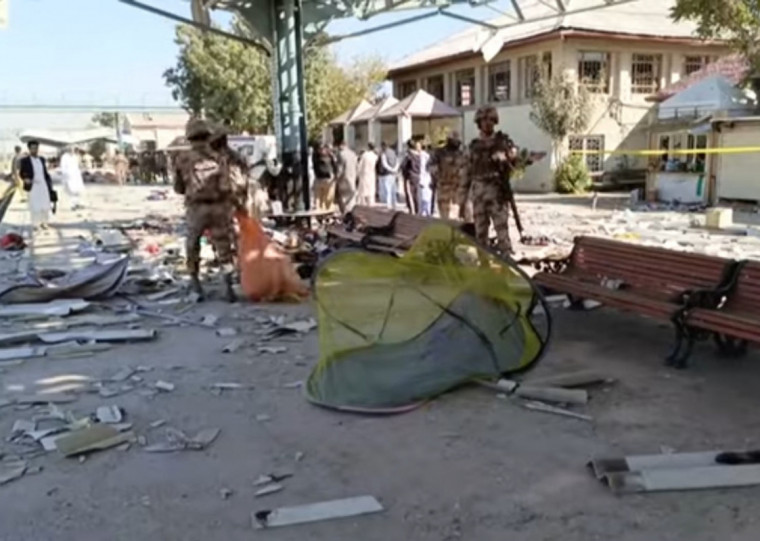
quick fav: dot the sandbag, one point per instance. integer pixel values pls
(266, 272)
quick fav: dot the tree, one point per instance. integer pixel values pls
(560, 107)
(229, 81)
(736, 21)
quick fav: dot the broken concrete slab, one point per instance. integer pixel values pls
(44, 398)
(226, 332)
(209, 320)
(233, 346)
(26, 352)
(301, 514)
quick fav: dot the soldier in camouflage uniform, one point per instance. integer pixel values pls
(202, 177)
(449, 166)
(491, 157)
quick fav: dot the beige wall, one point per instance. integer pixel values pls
(619, 116)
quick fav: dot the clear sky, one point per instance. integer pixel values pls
(103, 51)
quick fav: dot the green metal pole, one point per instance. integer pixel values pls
(289, 98)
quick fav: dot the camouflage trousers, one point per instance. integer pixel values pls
(446, 199)
(489, 204)
(216, 218)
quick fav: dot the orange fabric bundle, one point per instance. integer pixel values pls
(266, 273)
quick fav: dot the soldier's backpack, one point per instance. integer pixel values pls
(208, 180)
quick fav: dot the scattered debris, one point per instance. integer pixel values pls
(293, 385)
(299, 456)
(285, 516)
(546, 408)
(164, 386)
(179, 441)
(45, 398)
(570, 379)
(263, 418)
(549, 394)
(93, 438)
(233, 346)
(225, 493)
(12, 470)
(209, 320)
(271, 478)
(158, 423)
(273, 350)
(227, 386)
(271, 489)
(109, 414)
(676, 471)
(226, 332)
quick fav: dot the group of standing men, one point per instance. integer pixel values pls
(466, 183)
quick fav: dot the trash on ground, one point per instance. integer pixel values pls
(164, 386)
(263, 418)
(109, 414)
(271, 478)
(301, 514)
(549, 394)
(546, 408)
(58, 308)
(570, 379)
(179, 441)
(273, 350)
(271, 489)
(96, 281)
(226, 332)
(233, 346)
(95, 437)
(111, 335)
(677, 471)
(209, 320)
(12, 470)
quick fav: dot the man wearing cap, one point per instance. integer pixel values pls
(491, 158)
(449, 166)
(34, 174)
(200, 175)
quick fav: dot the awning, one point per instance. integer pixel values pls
(420, 104)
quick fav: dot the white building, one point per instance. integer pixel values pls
(622, 53)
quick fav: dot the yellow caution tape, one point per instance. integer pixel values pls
(680, 151)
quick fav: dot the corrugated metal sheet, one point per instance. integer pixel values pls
(641, 18)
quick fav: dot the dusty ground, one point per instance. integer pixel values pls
(467, 466)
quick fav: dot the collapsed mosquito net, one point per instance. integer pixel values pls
(394, 332)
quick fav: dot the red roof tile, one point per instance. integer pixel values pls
(733, 67)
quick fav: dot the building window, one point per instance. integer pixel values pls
(589, 143)
(546, 64)
(594, 71)
(464, 88)
(434, 86)
(530, 75)
(499, 81)
(405, 88)
(694, 63)
(646, 72)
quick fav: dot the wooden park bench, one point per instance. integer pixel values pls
(734, 317)
(650, 281)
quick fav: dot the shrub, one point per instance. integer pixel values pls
(572, 176)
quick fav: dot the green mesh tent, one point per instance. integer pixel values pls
(394, 332)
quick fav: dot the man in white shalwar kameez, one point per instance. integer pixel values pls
(33, 172)
(72, 177)
(367, 186)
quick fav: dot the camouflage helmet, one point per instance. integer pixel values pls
(197, 128)
(487, 111)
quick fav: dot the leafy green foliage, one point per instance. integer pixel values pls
(736, 21)
(560, 107)
(230, 81)
(572, 176)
